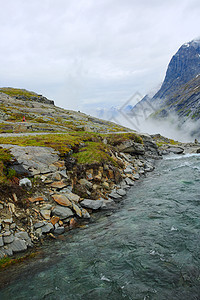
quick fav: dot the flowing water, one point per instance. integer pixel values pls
(149, 248)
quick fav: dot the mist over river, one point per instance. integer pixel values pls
(149, 248)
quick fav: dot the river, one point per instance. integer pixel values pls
(149, 248)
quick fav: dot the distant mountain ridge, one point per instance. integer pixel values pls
(179, 95)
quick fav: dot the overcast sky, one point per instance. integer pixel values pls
(87, 52)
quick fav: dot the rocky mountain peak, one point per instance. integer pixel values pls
(184, 66)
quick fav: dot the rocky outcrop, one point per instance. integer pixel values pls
(60, 196)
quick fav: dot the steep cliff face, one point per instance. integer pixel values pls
(179, 94)
(183, 67)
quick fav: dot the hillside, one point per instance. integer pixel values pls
(43, 116)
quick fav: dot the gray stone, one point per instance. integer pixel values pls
(1, 241)
(176, 150)
(108, 204)
(114, 195)
(59, 230)
(8, 237)
(8, 251)
(129, 181)
(18, 245)
(25, 182)
(24, 236)
(93, 204)
(121, 192)
(62, 212)
(39, 224)
(47, 228)
(131, 147)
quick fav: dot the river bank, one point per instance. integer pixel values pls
(146, 249)
(60, 194)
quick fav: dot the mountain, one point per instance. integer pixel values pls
(179, 94)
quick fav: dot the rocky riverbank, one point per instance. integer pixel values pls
(59, 194)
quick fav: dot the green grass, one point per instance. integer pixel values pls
(94, 153)
(13, 92)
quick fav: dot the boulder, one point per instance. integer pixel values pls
(130, 146)
(176, 150)
(62, 212)
(92, 204)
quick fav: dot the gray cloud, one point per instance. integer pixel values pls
(87, 52)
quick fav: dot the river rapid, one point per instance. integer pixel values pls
(148, 248)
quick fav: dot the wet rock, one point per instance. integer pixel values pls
(121, 192)
(176, 150)
(108, 204)
(23, 235)
(62, 200)
(198, 150)
(62, 212)
(85, 214)
(92, 204)
(59, 230)
(114, 195)
(25, 182)
(129, 181)
(18, 245)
